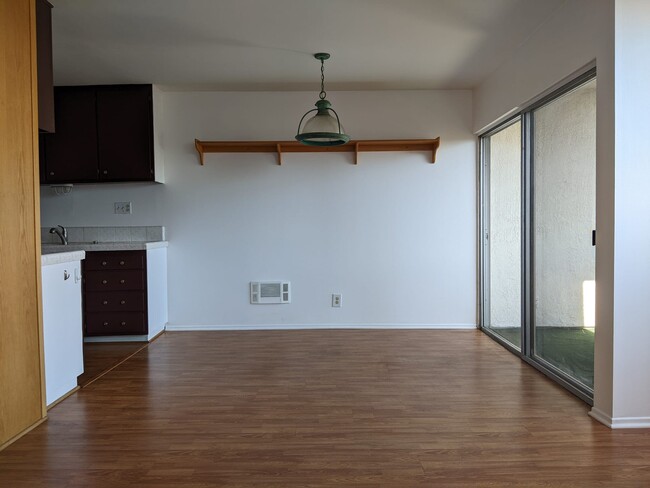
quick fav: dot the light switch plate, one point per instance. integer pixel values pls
(122, 207)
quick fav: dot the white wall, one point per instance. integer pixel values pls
(632, 259)
(580, 32)
(396, 236)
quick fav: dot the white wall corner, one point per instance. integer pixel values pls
(630, 370)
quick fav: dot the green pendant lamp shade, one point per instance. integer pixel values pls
(324, 128)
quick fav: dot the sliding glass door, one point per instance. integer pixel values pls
(564, 217)
(502, 239)
(538, 203)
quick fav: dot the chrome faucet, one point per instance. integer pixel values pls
(62, 233)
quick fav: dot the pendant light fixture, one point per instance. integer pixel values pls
(323, 129)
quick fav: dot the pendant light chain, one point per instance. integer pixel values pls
(322, 93)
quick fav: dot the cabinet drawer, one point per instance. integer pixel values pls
(115, 260)
(115, 323)
(115, 280)
(115, 301)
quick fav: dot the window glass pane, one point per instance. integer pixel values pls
(504, 234)
(564, 188)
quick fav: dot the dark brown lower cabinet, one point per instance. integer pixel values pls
(115, 293)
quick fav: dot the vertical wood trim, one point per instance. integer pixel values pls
(22, 398)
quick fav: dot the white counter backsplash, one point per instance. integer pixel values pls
(106, 234)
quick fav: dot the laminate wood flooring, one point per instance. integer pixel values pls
(100, 357)
(362, 408)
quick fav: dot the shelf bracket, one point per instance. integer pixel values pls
(199, 149)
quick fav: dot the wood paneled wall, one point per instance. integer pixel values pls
(21, 349)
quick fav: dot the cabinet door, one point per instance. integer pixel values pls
(125, 136)
(71, 153)
(62, 329)
(44, 60)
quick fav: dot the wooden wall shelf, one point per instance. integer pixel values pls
(279, 147)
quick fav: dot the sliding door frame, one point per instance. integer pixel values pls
(527, 352)
(485, 238)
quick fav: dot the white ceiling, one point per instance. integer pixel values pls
(268, 44)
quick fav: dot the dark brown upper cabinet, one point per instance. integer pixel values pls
(104, 134)
(125, 133)
(71, 153)
(44, 66)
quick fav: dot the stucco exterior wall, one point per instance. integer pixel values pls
(505, 227)
(564, 208)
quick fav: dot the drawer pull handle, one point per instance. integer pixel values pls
(104, 282)
(105, 323)
(121, 263)
(123, 323)
(122, 282)
(104, 263)
(105, 302)
(123, 302)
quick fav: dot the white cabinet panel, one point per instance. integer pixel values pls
(62, 328)
(156, 290)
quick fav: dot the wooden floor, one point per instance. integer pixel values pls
(324, 408)
(100, 357)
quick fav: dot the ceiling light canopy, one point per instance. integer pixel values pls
(324, 128)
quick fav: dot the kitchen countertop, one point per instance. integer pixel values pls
(62, 257)
(101, 246)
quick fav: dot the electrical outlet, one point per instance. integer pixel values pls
(337, 300)
(122, 207)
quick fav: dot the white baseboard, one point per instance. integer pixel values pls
(177, 327)
(600, 416)
(620, 422)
